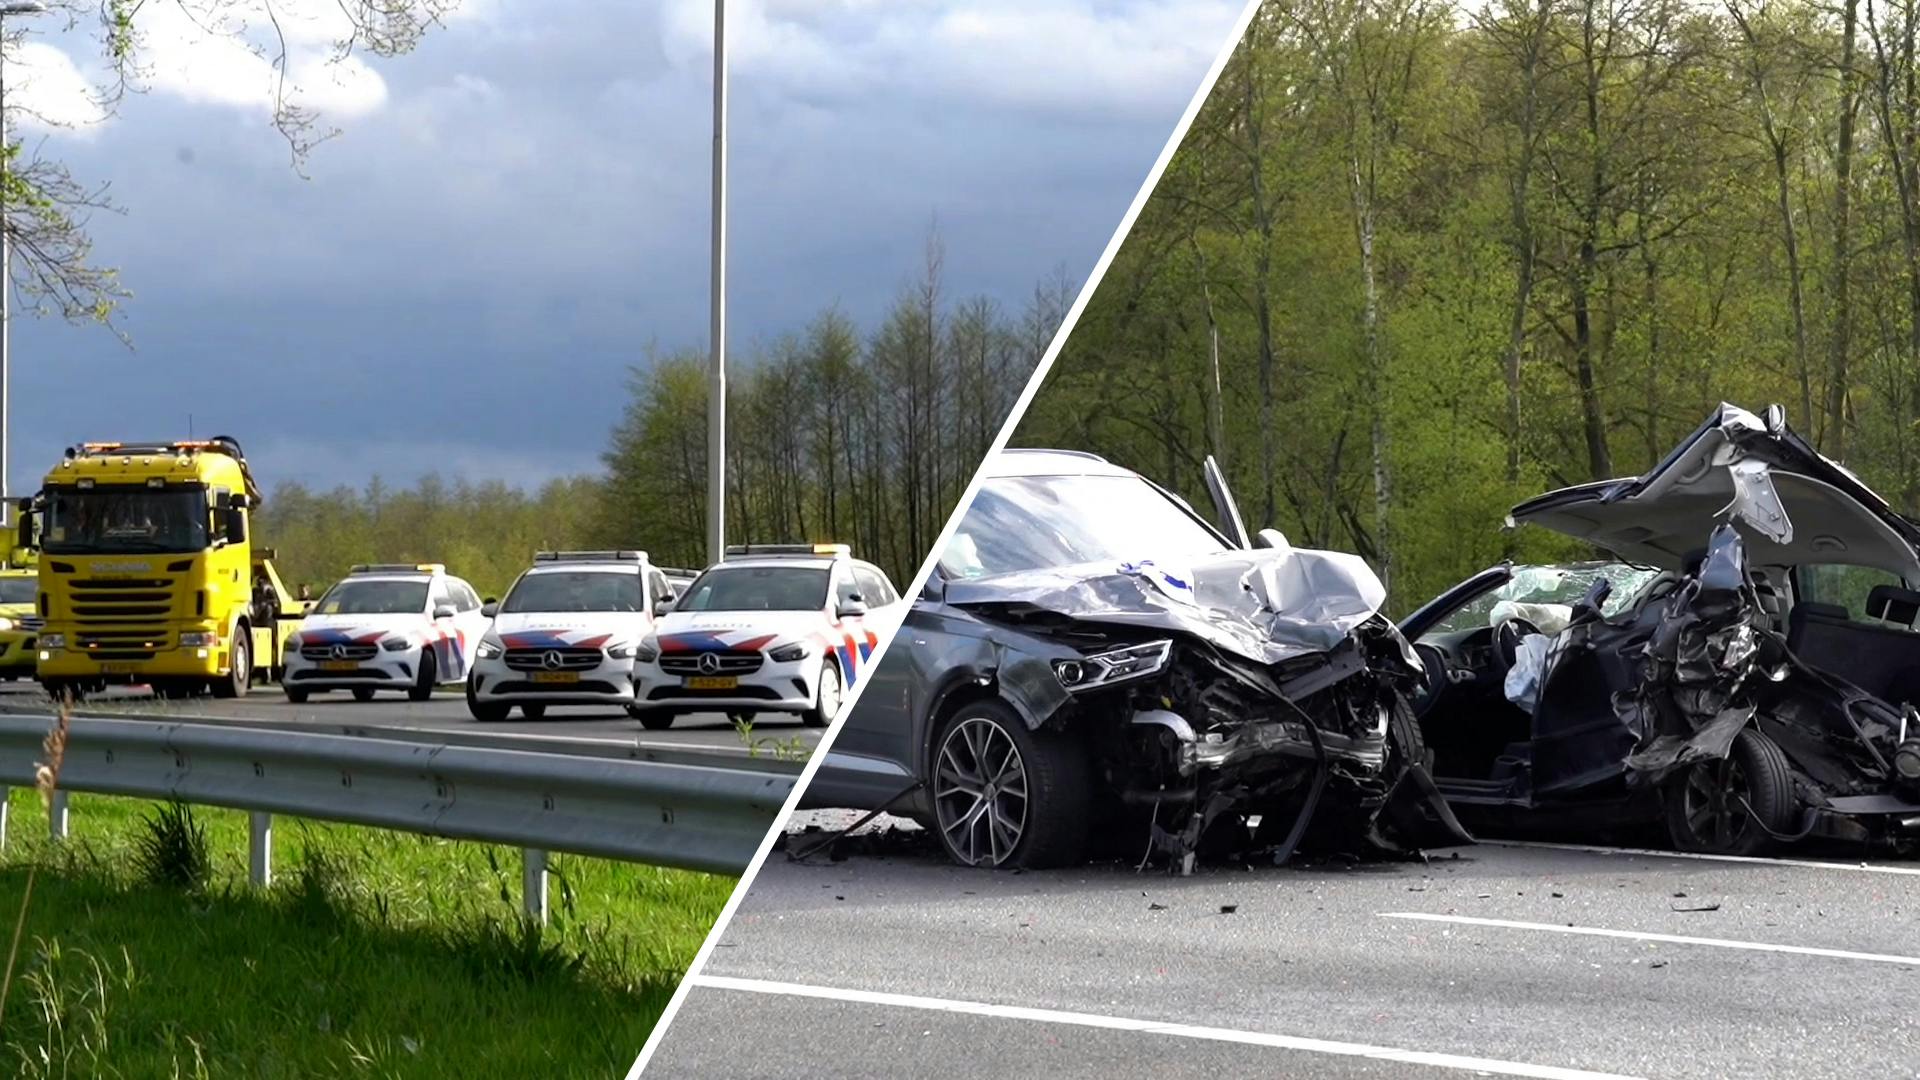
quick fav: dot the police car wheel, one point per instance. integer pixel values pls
(533, 712)
(654, 719)
(363, 693)
(826, 699)
(422, 688)
(297, 694)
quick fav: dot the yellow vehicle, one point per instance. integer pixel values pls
(19, 614)
(148, 573)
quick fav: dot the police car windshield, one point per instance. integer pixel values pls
(576, 590)
(19, 590)
(389, 597)
(757, 588)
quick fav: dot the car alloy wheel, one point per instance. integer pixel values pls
(980, 792)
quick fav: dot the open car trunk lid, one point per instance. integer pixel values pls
(1791, 504)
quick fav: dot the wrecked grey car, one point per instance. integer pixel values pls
(1746, 676)
(1095, 664)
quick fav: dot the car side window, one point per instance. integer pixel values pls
(469, 600)
(657, 586)
(873, 588)
(1843, 587)
(441, 595)
(846, 588)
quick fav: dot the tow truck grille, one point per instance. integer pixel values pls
(123, 608)
(568, 659)
(732, 662)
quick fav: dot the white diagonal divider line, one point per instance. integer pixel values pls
(1169, 1029)
(1668, 939)
(1815, 864)
(1060, 336)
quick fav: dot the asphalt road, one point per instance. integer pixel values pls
(895, 963)
(446, 712)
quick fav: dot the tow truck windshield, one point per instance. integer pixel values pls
(125, 520)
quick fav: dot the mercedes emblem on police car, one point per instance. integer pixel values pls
(551, 660)
(709, 663)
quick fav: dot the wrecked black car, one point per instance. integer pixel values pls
(1095, 663)
(1746, 676)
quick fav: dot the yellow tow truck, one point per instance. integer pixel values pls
(148, 572)
(19, 613)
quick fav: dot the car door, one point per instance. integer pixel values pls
(469, 624)
(873, 757)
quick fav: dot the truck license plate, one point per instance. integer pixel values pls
(117, 669)
(712, 682)
(556, 676)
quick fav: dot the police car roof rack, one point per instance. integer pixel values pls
(625, 555)
(812, 551)
(397, 568)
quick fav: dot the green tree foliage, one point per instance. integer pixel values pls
(831, 436)
(1455, 255)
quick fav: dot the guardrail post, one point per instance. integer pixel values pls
(533, 883)
(260, 848)
(57, 815)
(6, 803)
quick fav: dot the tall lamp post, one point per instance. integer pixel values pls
(27, 7)
(717, 331)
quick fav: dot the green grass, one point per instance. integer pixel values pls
(373, 954)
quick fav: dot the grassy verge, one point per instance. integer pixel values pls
(373, 954)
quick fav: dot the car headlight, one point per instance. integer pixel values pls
(202, 639)
(1106, 668)
(787, 654)
(53, 641)
(646, 652)
(488, 649)
(291, 643)
(397, 644)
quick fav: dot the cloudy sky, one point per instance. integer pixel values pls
(513, 213)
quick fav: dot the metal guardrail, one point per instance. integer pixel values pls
(707, 817)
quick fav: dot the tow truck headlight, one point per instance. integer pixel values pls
(488, 649)
(196, 639)
(1107, 668)
(53, 641)
(6, 624)
(787, 654)
(397, 644)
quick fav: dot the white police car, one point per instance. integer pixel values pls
(566, 634)
(385, 627)
(772, 628)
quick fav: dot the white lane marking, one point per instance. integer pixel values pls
(1435, 1059)
(1817, 864)
(1672, 939)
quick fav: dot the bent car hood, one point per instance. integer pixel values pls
(1791, 504)
(1266, 605)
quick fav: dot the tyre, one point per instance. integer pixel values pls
(534, 712)
(422, 688)
(297, 694)
(742, 716)
(1007, 796)
(363, 693)
(826, 697)
(239, 677)
(487, 712)
(1735, 805)
(652, 719)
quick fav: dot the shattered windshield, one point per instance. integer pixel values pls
(1556, 587)
(1030, 522)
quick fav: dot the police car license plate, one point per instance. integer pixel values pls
(712, 682)
(556, 676)
(338, 665)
